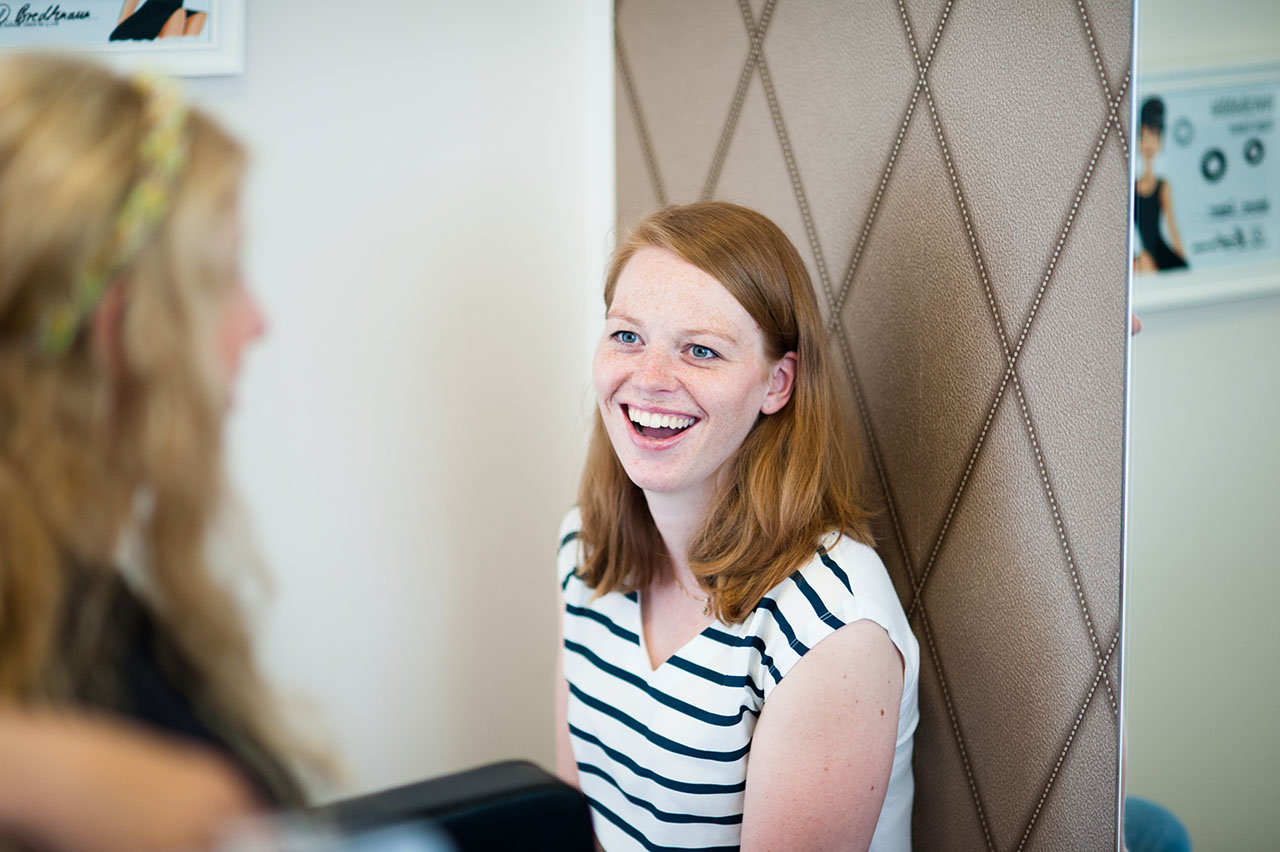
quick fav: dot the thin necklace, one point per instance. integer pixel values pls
(704, 600)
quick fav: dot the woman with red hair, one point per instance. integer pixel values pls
(737, 668)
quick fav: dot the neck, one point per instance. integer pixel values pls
(678, 517)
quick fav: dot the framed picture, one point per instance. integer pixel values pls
(186, 37)
(1206, 178)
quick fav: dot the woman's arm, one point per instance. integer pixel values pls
(823, 748)
(566, 766)
(75, 781)
(194, 24)
(174, 26)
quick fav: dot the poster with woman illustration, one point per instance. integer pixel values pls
(176, 36)
(153, 19)
(1153, 198)
(1205, 183)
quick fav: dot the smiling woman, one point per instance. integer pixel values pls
(721, 599)
(676, 409)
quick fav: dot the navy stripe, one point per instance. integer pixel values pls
(772, 606)
(634, 597)
(620, 632)
(662, 816)
(644, 841)
(836, 569)
(568, 537)
(669, 783)
(815, 601)
(657, 695)
(715, 677)
(747, 642)
(657, 739)
(564, 584)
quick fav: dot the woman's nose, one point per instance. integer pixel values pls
(657, 370)
(257, 319)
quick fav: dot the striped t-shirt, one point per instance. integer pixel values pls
(662, 753)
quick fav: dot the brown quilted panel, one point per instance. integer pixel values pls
(955, 174)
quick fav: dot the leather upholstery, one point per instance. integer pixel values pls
(956, 176)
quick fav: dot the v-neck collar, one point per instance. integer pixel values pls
(646, 660)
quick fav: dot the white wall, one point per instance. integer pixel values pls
(1203, 637)
(430, 206)
(1175, 34)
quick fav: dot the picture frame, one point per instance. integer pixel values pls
(191, 38)
(1218, 174)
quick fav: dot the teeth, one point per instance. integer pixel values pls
(652, 419)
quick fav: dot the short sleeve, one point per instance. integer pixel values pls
(844, 584)
(567, 554)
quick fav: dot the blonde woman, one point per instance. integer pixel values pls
(737, 668)
(131, 713)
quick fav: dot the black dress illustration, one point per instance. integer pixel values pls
(146, 21)
(1146, 214)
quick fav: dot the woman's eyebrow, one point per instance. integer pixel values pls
(711, 332)
(621, 317)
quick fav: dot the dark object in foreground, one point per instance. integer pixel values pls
(512, 806)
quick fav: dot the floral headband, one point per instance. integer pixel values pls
(162, 153)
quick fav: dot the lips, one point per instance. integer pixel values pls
(657, 425)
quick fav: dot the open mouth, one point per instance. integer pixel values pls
(657, 426)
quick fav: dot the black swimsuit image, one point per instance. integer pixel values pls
(1153, 199)
(156, 19)
(1146, 214)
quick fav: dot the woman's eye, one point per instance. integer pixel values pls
(627, 337)
(703, 353)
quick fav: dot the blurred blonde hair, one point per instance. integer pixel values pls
(84, 432)
(795, 477)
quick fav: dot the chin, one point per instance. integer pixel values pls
(643, 477)
(651, 484)
(656, 481)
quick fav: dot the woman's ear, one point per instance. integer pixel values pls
(782, 380)
(106, 328)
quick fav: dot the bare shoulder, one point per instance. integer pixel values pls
(858, 658)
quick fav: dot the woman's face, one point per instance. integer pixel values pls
(238, 321)
(681, 374)
(1148, 142)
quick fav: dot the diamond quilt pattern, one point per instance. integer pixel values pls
(955, 175)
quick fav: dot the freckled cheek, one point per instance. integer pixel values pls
(604, 375)
(227, 349)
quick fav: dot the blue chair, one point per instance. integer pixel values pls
(1149, 827)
